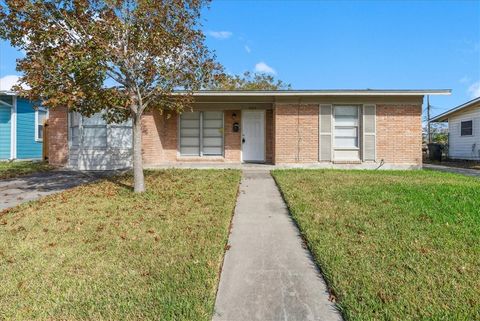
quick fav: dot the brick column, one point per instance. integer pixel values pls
(58, 136)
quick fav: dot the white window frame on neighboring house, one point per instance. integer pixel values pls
(465, 121)
(13, 125)
(43, 110)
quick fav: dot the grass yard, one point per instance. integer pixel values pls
(18, 168)
(393, 245)
(100, 252)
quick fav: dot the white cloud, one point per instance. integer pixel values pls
(465, 79)
(474, 89)
(220, 34)
(263, 67)
(7, 82)
(247, 49)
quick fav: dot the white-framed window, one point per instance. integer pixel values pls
(94, 131)
(6, 101)
(466, 128)
(346, 125)
(120, 135)
(74, 128)
(201, 133)
(40, 117)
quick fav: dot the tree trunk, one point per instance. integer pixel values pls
(138, 178)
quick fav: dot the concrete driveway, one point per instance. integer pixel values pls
(18, 190)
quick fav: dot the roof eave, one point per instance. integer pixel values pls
(444, 116)
(8, 92)
(296, 93)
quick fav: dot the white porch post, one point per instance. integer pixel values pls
(13, 129)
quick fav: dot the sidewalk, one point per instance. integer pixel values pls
(456, 170)
(267, 273)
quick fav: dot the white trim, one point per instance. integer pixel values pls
(13, 129)
(38, 139)
(296, 93)
(325, 92)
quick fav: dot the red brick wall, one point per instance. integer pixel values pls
(296, 133)
(291, 135)
(58, 136)
(159, 137)
(232, 140)
(399, 133)
(269, 138)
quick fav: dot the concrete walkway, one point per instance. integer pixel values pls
(26, 188)
(267, 273)
(456, 170)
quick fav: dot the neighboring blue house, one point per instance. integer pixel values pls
(21, 128)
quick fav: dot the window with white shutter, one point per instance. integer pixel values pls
(369, 133)
(325, 131)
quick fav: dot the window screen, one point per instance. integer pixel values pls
(466, 128)
(95, 131)
(120, 135)
(346, 127)
(212, 133)
(190, 133)
(201, 133)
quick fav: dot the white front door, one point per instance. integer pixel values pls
(253, 136)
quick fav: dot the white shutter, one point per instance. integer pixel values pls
(325, 133)
(369, 133)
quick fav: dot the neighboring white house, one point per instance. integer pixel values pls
(463, 130)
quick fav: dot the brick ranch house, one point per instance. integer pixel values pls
(324, 128)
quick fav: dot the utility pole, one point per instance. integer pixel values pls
(429, 132)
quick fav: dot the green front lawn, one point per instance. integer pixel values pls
(392, 245)
(18, 168)
(100, 252)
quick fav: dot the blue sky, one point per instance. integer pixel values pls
(346, 44)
